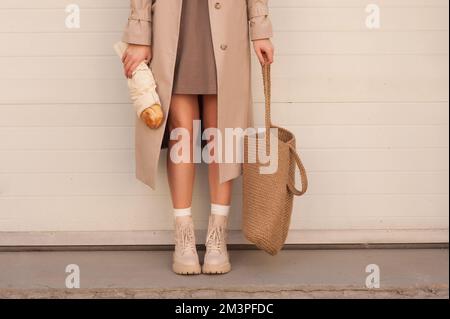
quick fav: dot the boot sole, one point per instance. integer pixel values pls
(182, 269)
(216, 269)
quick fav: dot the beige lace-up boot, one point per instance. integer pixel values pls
(185, 257)
(216, 257)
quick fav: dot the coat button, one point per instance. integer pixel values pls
(224, 47)
(218, 6)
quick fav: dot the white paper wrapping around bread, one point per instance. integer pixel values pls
(142, 85)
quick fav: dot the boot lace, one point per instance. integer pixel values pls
(216, 238)
(185, 239)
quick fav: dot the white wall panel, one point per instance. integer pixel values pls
(369, 108)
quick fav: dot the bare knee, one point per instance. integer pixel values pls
(177, 120)
(183, 111)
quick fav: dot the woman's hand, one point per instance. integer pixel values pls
(135, 55)
(264, 50)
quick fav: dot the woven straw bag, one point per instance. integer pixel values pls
(268, 198)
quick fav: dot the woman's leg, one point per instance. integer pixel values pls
(183, 111)
(216, 257)
(219, 193)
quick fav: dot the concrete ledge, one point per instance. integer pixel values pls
(435, 292)
(404, 273)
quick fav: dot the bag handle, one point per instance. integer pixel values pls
(267, 96)
(269, 125)
(267, 101)
(303, 175)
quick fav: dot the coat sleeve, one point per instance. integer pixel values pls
(258, 15)
(139, 26)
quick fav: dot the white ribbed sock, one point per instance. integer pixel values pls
(222, 210)
(181, 212)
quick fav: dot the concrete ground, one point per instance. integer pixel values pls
(404, 273)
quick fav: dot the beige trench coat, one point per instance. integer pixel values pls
(233, 24)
